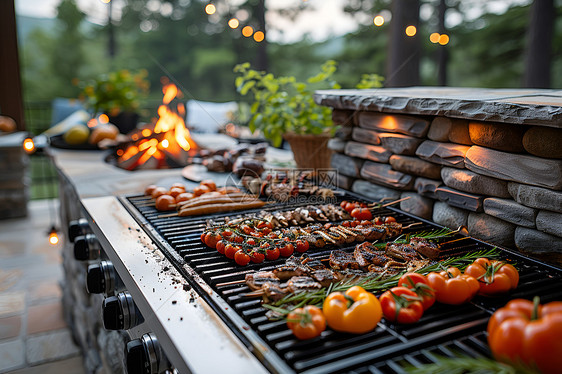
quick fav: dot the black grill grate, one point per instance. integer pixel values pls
(444, 329)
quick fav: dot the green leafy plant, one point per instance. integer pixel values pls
(115, 92)
(283, 104)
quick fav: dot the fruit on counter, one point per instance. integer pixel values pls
(7, 124)
(307, 322)
(452, 287)
(356, 311)
(526, 332)
(104, 131)
(77, 134)
(401, 305)
(418, 283)
(494, 277)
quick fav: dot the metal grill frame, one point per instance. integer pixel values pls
(387, 357)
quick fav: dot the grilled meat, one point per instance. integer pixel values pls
(341, 260)
(426, 248)
(365, 254)
(326, 277)
(257, 280)
(393, 229)
(274, 292)
(302, 283)
(402, 252)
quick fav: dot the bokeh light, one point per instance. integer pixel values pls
(28, 145)
(411, 30)
(259, 36)
(443, 39)
(210, 9)
(378, 20)
(233, 23)
(434, 37)
(247, 31)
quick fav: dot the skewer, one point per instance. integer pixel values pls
(255, 293)
(412, 224)
(168, 215)
(231, 283)
(375, 205)
(455, 240)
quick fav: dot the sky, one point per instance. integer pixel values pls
(326, 20)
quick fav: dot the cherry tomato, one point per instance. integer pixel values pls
(343, 204)
(227, 233)
(302, 246)
(272, 253)
(159, 191)
(211, 239)
(494, 277)
(402, 305)
(165, 202)
(149, 189)
(361, 214)
(345, 223)
(257, 257)
(286, 250)
(247, 229)
(220, 247)
(237, 238)
(184, 196)
(453, 287)
(349, 207)
(230, 250)
(389, 219)
(307, 322)
(174, 191)
(203, 235)
(378, 221)
(241, 258)
(418, 283)
(251, 242)
(265, 231)
(209, 184)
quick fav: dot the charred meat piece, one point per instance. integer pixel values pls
(374, 233)
(292, 267)
(325, 277)
(312, 263)
(274, 292)
(257, 280)
(393, 229)
(426, 248)
(302, 283)
(341, 260)
(415, 265)
(365, 254)
(402, 252)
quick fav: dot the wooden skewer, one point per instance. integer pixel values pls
(412, 224)
(255, 293)
(230, 283)
(455, 240)
(168, 215)
(391, 203)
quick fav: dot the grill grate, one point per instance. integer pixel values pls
(389, 348)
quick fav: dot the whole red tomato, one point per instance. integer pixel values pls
(402, 305)
(302, 246)
(307, 322)
(418, 283)
(494, 277)
(524, 331)
(361, 214)
(211, 239)
(453, 287)
(241, 257)
(286, 250)
(221, 246)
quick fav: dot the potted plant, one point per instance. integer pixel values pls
(117, 94)
(284, 108)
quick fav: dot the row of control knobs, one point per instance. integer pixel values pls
(119, 312)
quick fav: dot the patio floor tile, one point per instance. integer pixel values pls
(45, 317)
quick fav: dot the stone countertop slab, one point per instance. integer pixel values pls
(517, 106)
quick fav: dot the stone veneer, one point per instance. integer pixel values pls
(487, 159)
(14, 178)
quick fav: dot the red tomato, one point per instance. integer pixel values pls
(272, 253)
(165, 202)
(378, 221)
(402, 305)
(389, 219)
(226, 233)
(237, 239)
(343, 204)
(361, 214)
(184, 196)
(251, 242)
(256, 257)
(453, 287)
(302, 246)
(247, 229)
(241, 258)
(307, 322)
(419, 284)
(211, 239)
(220, 247)
(230, 250)
(494, 277)
(286, 250)
(203, 237)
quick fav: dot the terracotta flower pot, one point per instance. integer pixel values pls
(310, 151)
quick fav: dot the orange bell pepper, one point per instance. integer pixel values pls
(356, 311)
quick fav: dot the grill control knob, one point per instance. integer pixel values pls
(145, 356)
(86, 247)
(120, 312)
(77, 228)
(102, 278)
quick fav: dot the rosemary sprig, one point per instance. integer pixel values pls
(468, 365)
(371, 282)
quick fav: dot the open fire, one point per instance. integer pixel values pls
(164, 144)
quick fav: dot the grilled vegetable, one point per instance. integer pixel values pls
(525, 331)
(494, 277)
(419, 284)
(361, 214)
(307, 322)
(356, 311)
(453, 287)
(402, 305)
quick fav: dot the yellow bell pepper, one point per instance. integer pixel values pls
(356, 311)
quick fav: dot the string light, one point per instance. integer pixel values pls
(443, 39)
(28, 145)
(434, 37)
(233, 23)
(259, 36)
(247, 31)
(210, 9)
(378, 21)
(53, 236)
(411, 30)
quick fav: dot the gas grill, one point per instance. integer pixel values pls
(203, 325)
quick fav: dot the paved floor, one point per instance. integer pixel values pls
(33, 335)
